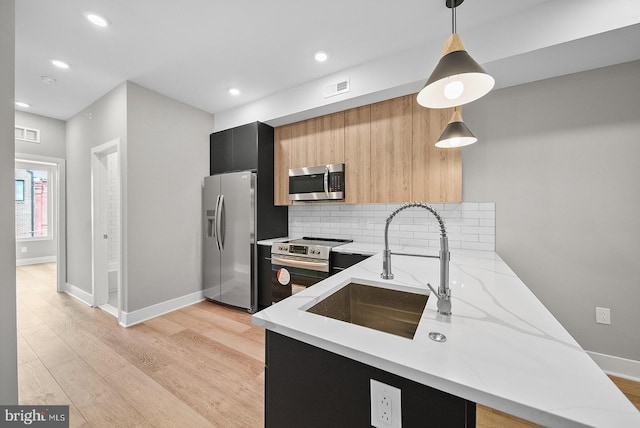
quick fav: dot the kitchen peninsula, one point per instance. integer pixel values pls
(503, 348)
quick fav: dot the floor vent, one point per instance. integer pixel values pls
(337, 88)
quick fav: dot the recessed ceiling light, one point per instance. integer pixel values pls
(96, 19)
(59, 64)
(23, 105)
(234, 91)
(321, 57)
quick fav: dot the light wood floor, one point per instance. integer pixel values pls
(198, 366)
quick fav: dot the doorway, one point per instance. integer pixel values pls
(106, 227)
(40, 213)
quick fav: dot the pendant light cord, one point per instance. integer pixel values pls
(453, 17)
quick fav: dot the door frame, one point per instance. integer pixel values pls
(59, 210)
(99, 223)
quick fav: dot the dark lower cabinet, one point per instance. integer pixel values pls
(341, 261)
(264, 276)
(309, 387)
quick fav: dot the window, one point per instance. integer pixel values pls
(33, 201)
(19, 190)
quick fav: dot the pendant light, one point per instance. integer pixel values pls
(457, 79)
(456, 134)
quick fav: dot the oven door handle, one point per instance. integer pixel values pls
(321, 266)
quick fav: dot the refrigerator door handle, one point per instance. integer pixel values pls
(221, 223)
(217, 223)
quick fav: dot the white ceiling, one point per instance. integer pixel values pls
(195, 50)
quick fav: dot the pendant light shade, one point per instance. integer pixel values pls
(456, 134)
(457, 79)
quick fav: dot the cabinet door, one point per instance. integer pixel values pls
(264, 276)
(342, 261)
(281, 160)
(437, 173)
(391, 150)
(303, 144)
(220, 146)
(245, 147)
(357, 152)
(330, 140)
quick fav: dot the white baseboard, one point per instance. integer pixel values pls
(35, 260)
(617, 366)
(79, 294)
(127, 319)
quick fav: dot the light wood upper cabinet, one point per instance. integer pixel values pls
(357, 152)
(281, 159)
(330, 139)
(436, 173)
(391, 133)
(388, 149)
(303, 144)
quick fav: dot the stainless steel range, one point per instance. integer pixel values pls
(300, 263)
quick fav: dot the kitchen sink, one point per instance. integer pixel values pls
(390, 311)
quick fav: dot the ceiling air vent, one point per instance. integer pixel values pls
(337, 88)
(27, 134)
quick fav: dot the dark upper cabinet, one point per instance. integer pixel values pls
(250, 147)
(245, 147)
(221, 144)
(235, 149)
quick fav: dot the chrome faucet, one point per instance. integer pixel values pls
(444, 292)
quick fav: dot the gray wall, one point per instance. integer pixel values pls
(168, 156)
(101, 122)
(52, 144)
(164, 157)
(561, 159)
(8, 336)
(52, 135)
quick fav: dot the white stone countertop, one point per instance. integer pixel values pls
(504, 349)
(269, 242)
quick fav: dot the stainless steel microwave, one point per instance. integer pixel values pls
(317, 183)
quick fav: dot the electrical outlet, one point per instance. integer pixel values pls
(603, 316)
(385, 406)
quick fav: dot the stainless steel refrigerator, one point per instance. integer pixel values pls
(230, 261)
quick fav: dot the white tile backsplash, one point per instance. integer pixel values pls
(470, 225)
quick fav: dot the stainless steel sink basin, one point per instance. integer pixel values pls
(390, 311)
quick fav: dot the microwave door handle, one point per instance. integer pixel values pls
(326, 180)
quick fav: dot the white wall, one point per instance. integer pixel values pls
(168, 157)
(101, 122)
(561, 159)
(8, 335)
